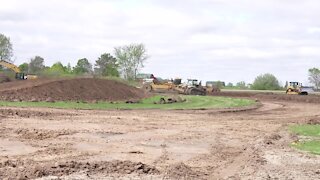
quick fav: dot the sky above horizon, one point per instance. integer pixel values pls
(228, 40)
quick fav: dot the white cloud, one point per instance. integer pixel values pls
(208, 39)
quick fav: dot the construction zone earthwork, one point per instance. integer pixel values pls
(89, 128)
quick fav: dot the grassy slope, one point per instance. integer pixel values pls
(192, 102)
(312, 132)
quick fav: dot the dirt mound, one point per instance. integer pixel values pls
(4, 78)
(81, 89)
(272, 96)
(181, 171)
(31, 170)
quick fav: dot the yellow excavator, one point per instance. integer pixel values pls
(19, 75)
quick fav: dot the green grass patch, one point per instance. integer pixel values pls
(309, 146)
(306, 130)
(192, 102)
(309, 132)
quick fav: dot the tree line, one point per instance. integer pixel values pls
(126, 62)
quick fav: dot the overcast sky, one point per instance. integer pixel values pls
(229, 40)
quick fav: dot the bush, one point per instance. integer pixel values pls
(266, 82)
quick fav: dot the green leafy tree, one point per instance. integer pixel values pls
(266, 82)
(36, 65)
(6, 51)
(24, 67)
(83, 67)
(314, 77)
(131, 59)
(57, 68)
(106, 65)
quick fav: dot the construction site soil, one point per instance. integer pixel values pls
(45, 143)
(79, 89)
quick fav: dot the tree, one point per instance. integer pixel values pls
(57, 68)
(241, 85)
(229, 84)
(69, 69)
(314, 77)
(36, 65)
(106, 65)
(83, 66)
(131, 59)
(6, 51)
(266, 82)
(24, 67)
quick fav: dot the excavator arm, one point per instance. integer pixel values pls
(10, 66)
(19, 74)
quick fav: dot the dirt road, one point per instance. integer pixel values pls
(155, 144)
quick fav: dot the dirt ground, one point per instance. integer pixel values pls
(72, 89)
(156, 144)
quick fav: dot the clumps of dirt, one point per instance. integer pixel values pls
(170, 100)
(272, 139)
(40, 134)
(180, 171)
(272, 96)
(24, 113)
(79, 89)
(4, 78)
(285, 97)
(33, 170)
(314, 121)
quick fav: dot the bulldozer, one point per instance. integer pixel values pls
(212, 87)
(19, 75)
(192, 87)
(296, 88)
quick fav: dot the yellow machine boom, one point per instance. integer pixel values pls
(10, 66)
(19, 75)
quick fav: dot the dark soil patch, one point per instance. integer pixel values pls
(181, 171)
(314, 121)
(31, 170)
(40, 134)
(80, 89)
(272, 96)
(25, 113)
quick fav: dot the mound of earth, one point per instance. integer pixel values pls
(272, 96)
(80, 89)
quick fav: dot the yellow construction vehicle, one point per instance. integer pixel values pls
(296, 88)
(212, 87)
(19, 75)
(155, 85)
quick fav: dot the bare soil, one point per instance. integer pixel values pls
(156, 144)
(79, 89)
(312, 98)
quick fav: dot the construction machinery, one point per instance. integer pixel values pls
(212, 87)
(154, 84)
(296, 88)
(19, 75)
(191, 87)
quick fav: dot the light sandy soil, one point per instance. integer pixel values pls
(155, 144)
